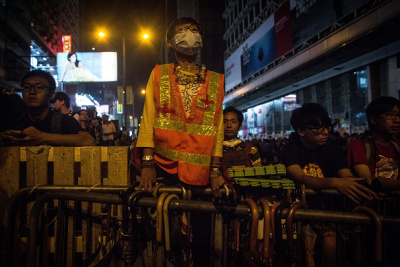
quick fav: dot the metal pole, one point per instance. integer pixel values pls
(124, 77)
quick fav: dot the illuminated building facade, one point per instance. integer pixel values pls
(281, 54)
(31, 36)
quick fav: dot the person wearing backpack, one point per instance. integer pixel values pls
(377, 157)
(43, 126)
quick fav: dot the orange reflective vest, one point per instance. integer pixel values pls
(184, 144)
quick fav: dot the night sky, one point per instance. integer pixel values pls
(125, 18)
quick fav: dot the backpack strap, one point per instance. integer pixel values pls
(396, 147)
(396, 151)
(56, 122)
(369, 150)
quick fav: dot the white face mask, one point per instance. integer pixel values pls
(188, 43)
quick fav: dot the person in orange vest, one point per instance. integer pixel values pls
(182, 129)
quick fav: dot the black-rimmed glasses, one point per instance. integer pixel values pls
(37, 87)
(319, 129)
(391, 115)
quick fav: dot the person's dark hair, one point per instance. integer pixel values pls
(181, 21)
(42, 74)
(310, 114)
(378, 107)
(79, 111)
(13, 112)
(69, 57)
(239, 114)
(61, 96)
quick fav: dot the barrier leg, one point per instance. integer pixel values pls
(266, 254)
(378, 231)
(253, 226)
(160, 262)
(289, 230)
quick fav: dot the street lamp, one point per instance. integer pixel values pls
(102, 35)
(144, 36)
(124, 77)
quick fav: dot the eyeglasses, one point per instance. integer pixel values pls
(391, 115)
(182, 29)
(37, 87)
(319, 129)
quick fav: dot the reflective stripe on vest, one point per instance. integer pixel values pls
(189, 158)
(164, 122)
(207, 104)
(165, 88)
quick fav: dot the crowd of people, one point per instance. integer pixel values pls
(185, 131)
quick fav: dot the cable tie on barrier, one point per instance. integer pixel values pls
(38, 149)
(51, 222)
(226, 190)
(33, 189)
(92, 187)
(124, 234)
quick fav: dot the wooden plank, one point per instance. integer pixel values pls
(9, 173)
(36, 165)
(36, 170)
(90, 166)
(90, 158)
(63, 158)
(117, 157)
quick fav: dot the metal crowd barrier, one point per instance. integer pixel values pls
(264, 250)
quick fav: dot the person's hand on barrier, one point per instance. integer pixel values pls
(29, 136)
(5, 137)
(148, 179)
(351, 188)
(216, 184)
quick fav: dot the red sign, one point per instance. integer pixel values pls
(283, 30)
(66, 40)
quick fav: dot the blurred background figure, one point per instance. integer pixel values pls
(85, 122)
(96, 125)
(62, 103)
(109, 131)
(124, 139)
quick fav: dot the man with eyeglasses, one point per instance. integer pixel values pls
(377, 158)
(43, 126)
(309, 156)
(312, 160)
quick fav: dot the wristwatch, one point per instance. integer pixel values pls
(147, 158)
